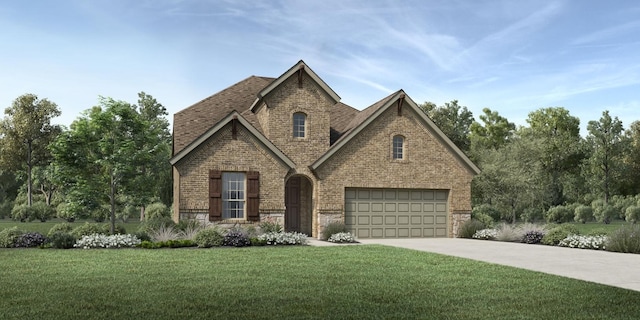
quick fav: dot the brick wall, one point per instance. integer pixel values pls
(366, 162)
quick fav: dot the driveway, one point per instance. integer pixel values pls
(613, 269)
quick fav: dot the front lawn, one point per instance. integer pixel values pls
(343, 282)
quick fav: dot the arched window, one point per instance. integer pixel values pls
(398, 147)
(299, 125)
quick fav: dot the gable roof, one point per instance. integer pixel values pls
(231, 116)
(192, 122)
(297, 67)
(367, 116)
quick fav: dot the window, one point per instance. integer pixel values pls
(233, 195)
(299, 122)
(398, 147)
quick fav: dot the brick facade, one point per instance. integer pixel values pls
(364, 161)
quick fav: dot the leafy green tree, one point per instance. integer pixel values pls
(494, 132)
(454, 121)
(101, 153)
(630, 182)
(559, 148)
(603, 168)
(25, 133)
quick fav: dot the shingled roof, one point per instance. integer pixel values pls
(192, 122)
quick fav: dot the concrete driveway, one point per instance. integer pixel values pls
(613, 269)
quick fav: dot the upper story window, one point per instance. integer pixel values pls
(398, 148)
(233, 195)
(299, 125)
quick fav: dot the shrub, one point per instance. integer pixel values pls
(22, 212)
(156, 223)
(9, 236)
(143, 236)
(284, 238)
(86, 229)
(484, 218)
(583, 214)
(236, 238)
(117, 229)
(532, 236)
(167, 244)
(509, 233)
(66, 211)
(156, 210)
(333, 228)
(625, 239)
(42, 211)
(257, 242)
(60, 227)
(30, 240)
(485, 234)
(101, 213)
(486, 209)
(603, 212)
(127, 212)
(632, 214)
(342, 237)
(468, 228)
(107, 242)
(557, 234)
(62, 240)
(583, 242)
(209, 237)
(559, 214)
(270, 226)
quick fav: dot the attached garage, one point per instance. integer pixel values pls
(396, 213)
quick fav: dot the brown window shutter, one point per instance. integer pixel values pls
(253, 196)
(215, 195)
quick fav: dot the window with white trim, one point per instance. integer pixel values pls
(233, 195)
(299, 125)
(398, 147)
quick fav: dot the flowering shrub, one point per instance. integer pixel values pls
(102, 241)
(30, 240)
(342, 237)
(583, 242)
(486, 234)
(533, 236)
(283, 238)
(236, 238)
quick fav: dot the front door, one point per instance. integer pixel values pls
(292, 203)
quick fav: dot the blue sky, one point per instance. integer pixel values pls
(511, 56)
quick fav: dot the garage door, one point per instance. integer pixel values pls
(396, 213)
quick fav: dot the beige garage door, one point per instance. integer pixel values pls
(396, 213)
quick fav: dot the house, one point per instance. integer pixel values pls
(287, 150)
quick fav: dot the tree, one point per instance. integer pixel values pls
(454, 121)
(631, 161)
(605, 161)
(494, 132)
(559, 149)
(26, 131)
(155, 171)
(101, 152)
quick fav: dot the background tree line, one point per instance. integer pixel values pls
(547, 169)
(110, 163)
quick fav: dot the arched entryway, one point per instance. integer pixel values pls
(298, 204)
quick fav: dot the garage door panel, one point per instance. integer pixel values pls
(377, 220)
(396, 213)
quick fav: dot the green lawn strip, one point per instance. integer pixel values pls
(586, 228)
(345, 282)
(43, 227)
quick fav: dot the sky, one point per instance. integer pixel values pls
(513, 57)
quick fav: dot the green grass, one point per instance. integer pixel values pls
(586, 228)
(43, 227)
(345, 282)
